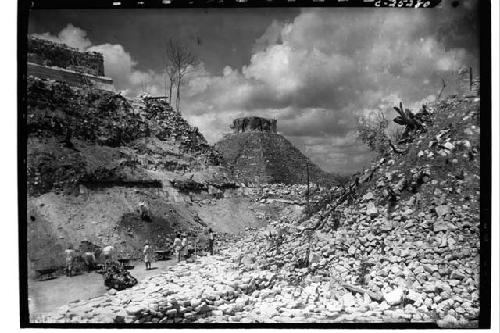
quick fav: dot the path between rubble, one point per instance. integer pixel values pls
(47, 296)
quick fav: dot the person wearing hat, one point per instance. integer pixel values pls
(148, 255)
(108, 254)
(70, 254)
(88, 255)
(211, 239)
(178, 246)
(184, 245)
(144, 211)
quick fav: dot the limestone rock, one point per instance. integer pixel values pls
(394, 297)
(443, 210)
(371, 210)
(368, 196)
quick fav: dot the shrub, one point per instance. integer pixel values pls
(372, 132)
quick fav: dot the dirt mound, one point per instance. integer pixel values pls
(107, 217)
(233, 215)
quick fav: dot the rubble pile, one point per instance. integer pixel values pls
(398, 243)
(292, 193)
(404, 234)
(167, 123)
(107, 118)
(187, 292)
(148, 135)
(95, 116)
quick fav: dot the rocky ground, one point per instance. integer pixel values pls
(216, 290)
(399, 243)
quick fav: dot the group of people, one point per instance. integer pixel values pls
(184, 245)
(86, 254)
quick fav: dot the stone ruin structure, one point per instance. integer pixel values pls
(247, 124)
(54, 61)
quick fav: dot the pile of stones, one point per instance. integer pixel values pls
(296, 193)
(107, 118)
(408, 239)
(404, 247)
(166, 123)
(211, 286)
(70, 117)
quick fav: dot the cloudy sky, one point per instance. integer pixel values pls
(315, 70)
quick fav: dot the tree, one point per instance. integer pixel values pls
(179, 61)
(372, 132)
(170, 68)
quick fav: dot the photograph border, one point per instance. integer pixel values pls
(484, 15)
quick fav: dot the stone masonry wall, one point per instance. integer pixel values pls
(70, 77)
(259, 124)
(48, 53)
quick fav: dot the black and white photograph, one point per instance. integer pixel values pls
(257, 167)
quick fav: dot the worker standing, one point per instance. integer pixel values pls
(211, 239)
(89, 258)
(69, 252)
(144, 211)
(191, 245)
(89, 255)
(178, 246)
(184, 245)
(108, 254)
(148, 255)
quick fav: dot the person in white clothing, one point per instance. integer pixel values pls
(184, 245)
(148, 255)
(177, 246)
(69, 253)
(108, 254)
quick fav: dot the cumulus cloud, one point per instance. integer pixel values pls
(316, 74)
(319, 73)
(70, 35)
(119, 65)
(271, 36)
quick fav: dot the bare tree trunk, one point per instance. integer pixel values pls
(178, 102)
(166, 82)
(444, 86)
(170, 92)
(470, 78)
(179, 60)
